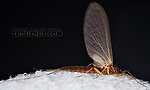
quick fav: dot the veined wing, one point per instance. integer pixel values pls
(96, 35)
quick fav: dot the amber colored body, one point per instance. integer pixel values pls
(84, 69)
(109, 70)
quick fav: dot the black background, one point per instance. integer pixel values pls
(129, 28)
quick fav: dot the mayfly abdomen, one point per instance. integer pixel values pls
(81, 69)
(84, 69)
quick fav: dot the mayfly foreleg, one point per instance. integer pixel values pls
(125, 72)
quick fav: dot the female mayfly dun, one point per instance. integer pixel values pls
(98, 44)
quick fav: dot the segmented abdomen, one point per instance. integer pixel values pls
(81, 69)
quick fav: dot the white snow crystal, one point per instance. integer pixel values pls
(63, 80)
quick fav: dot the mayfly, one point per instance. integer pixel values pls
(98, 44)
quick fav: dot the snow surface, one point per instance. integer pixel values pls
(63, 80)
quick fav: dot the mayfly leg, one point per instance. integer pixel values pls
(131, 76)
(125, 72)
(88, 70)
(85, 72)
(94, 67)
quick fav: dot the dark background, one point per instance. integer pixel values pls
(129, 28)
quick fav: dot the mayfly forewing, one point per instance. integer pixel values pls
(96, 35)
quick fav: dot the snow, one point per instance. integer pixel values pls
(63, 80)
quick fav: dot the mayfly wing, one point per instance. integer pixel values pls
(96, 35)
